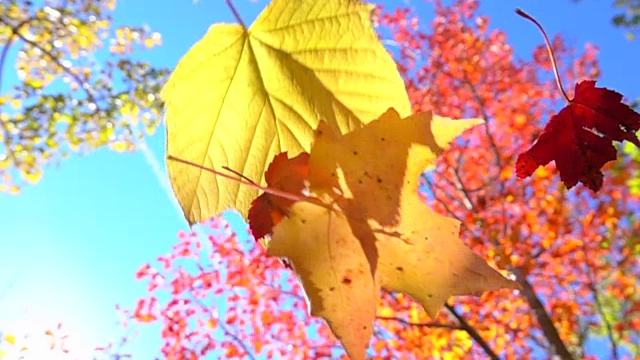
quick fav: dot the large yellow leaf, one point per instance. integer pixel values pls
(367, 181)
(239, 97)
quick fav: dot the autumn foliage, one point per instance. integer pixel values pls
(572, 254)
(77, 85)
(284, 174)
(580, 137)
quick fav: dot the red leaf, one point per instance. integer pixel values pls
(283, 174)
(580, 137)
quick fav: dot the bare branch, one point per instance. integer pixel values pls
(472, 332)
(224, 328)
(468, 203)
(442, 202)
(427, 324)
(83, 84)
(613, 344)
(546, 324)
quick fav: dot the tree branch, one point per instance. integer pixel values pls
(3, 59)
(83, 84)
(546, 324)
(599, 308)
(473, 333)
(485, 117)
(224, 328)
(437, 198)
(427, 324)
(468, 203)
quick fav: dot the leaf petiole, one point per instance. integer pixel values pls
(236, 14)
(238, 174)
(549, 49)
(248, 182)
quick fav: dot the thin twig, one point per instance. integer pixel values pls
(224, 328)
(238, 174)
(427, 324)
(83, 84)
(468, 203)
(437, 198)
(3, 59)
(599, 308)
(494, 147)
(485, 117)
(275, 192)
(473, 333)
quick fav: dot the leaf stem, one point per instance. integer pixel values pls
(238, 174)
(236, 14)
(549, 49)
(250, 183)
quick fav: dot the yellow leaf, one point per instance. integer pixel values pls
(14, 12)
(33, 176)
(239, 97)
(121, 146)
(434, 264)
(381, 158)
(331, 258)
(10, 338)
(367, 177)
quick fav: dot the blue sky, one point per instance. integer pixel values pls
(69, 246)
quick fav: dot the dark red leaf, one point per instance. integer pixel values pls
(284, 174)
(580, 137)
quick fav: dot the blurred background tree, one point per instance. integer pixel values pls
(628, 16)
(70, 82)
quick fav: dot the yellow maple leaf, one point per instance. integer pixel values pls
(351, 245)
(424, 257)
(331, 257)
(381, 158)
(241, 96)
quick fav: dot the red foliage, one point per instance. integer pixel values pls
(580, 137)
(283, 174)
(229, 300)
